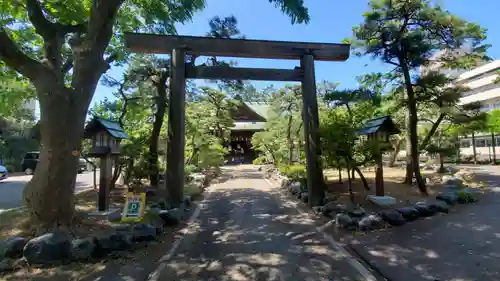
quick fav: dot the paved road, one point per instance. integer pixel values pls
(11, 189)
(464, 245)
(248, 231)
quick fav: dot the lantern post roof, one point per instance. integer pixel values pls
(383, 124)
(98, 124)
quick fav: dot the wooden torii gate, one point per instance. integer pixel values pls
(180, 46)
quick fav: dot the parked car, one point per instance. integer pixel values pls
(31, 159)
(82, 165)
(3, 173)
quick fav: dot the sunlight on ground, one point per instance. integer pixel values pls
(12, 223)
(75, 271)
(392, 254)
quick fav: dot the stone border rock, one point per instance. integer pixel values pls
(56, 247)
(354, 218)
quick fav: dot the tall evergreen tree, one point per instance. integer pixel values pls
(406, 34)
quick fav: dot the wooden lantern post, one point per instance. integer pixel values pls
(382, 138)
(106, 136)
(379, 130)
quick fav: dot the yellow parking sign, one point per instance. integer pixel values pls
(134, 207)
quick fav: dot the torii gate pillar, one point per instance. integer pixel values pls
(176, 128)
(315, 183)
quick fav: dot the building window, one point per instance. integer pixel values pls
(485, 107)
(480, 143)
(480, 89)
(465, 143)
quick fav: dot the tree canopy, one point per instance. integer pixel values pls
(408, 34)
(63, 48)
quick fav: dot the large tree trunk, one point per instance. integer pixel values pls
(297, 146)
(441, 163)
(49, 196)
(474, 153)
(457, 147)
(289, 139)
(412, 128)
(340, 175)
(409, 165)
(128, 171)
(273, 156)
(118, 167)
(379, 176)
(493, 148)
(395, 152)
(349, 181)
(161, 107)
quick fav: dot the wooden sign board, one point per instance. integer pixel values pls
(134, 207)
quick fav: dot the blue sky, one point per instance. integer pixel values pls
(330, 22)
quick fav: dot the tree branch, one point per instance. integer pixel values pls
(90, 50)
(426, 120)
(67, 66)
(70, 28)
(18, 60)
(46, 28)
(433, 130)
(102, 18)
(42, 26)
(52, 33)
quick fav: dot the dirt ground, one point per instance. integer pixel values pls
(393, 185)
(116, 266)
(16, 222)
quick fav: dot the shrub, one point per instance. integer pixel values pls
(294, 172)
(189, 169)
(465, 197)
(191, 190)
(261, 160)
(211, 155)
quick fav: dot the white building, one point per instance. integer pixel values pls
(31, 106)
(480, 81)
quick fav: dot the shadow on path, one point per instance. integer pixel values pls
(463, 245)
(248, 231)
